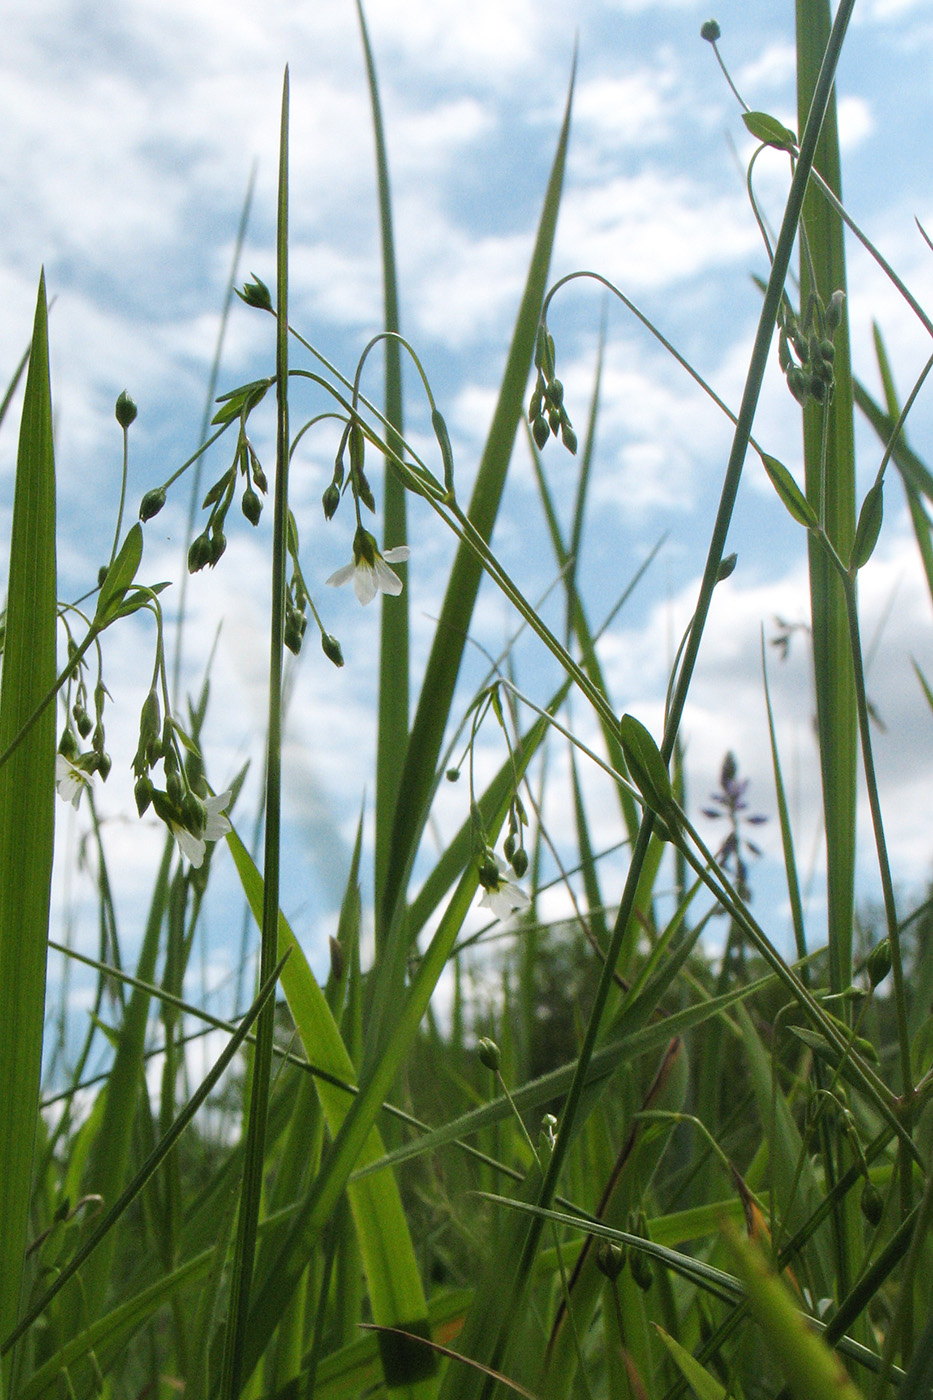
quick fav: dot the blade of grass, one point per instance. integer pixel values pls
(393, 637)
(424, 744)
(27, 795)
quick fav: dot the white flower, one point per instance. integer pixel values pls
(370, 570)
(70, 780)
(193, 847)
(502, 896)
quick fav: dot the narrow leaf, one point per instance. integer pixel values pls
(770, 131)
(789, 492)
(869, 526)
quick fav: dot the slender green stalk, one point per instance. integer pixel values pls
(250, 1200)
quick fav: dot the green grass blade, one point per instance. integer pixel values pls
(787, 835)
(13, 384)
(27, 795)
(396, 1294)
(450, 639)
(393, 642)
(832, 494)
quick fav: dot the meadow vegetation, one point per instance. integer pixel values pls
(622, 1166)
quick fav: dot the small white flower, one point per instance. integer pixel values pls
(503, 896)
(370, 570)
(193, 847)
(70, 780)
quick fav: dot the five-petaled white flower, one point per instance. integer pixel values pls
(70, 780)
(193, 847)
(502, 895)
(370, 570)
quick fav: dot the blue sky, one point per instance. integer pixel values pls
(127, 135)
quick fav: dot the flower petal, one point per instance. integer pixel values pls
(365, 582)
(342, 576)
(398, 555)
(191, 847)
(386, 580)
(217, 823)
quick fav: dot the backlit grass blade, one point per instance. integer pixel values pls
(453, 628)
(831, 491)
(393, 641)
(27, 794)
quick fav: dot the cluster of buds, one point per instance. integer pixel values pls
(546, 412)
(807, 354)
(207, 547)
(74, 768)
(191, 815)
(353, 443)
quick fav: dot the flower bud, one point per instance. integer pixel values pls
(797, 383)
(174, 789)
(293, 631)
(567, 435)
(251, 506)
(726, 568)
(489, 873)
(104, 765)
(710, 31)
(256, 293)
(554, 393)
(489, 1054)
(199, 554)
(330, 501)
(452, 775)
(878, 963)
(540, 431)
(217, 544)
(642, 1272)
(125, 410)
(519, 861)
(143, 794)
(83, 720)
(331, 649)
(610, 1259)
(259, 475)
(194, 772)
(833, 315)
(193, 813)
(871, 1204)
(68, 744)
(152, 503)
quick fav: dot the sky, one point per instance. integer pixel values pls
(127, 138)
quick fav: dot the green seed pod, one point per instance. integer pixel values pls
(828, 350)
(489, 1054)
(555, 393)
(726, 567)
(610, 1259)
(567, 435)
(452, 775)
(331, 649)
(152, 503)
(797, 383)
(251, 506)
(104, 765)
(553, 418)
(293, 631)
(83, 720)
(125, 410)
(710, 31)
(509, 846)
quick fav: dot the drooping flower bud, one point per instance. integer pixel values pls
(256, 293)
(143, 794)
(331, 649)
(489, 1054)
(610, 1258)
(878, 963)
(251, 506)
(330, 501)
(710, 31)
(519, 861)
(871, 1204)
(199, 554)
(152, 503)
